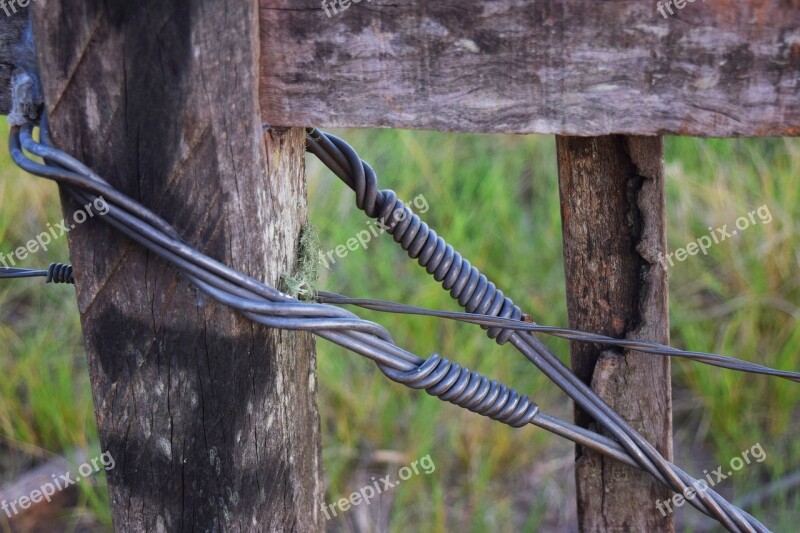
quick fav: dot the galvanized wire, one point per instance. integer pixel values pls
(440, 377)
(62, 273)
(477, 294)
(721, 361)
(55, 273)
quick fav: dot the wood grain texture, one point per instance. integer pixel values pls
(613, 213)
(211, 418)
(12, 27)
(569, 67)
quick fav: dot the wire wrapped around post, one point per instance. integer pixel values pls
(477, 294)
(448, 381)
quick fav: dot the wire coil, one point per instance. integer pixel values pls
(60, 273)
(268, 306)
(476, 293)
(460, 386)
(466, 284)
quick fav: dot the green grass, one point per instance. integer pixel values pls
(495, 198)
(45, 400)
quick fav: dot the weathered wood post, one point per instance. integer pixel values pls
(163, 99)
(211, 419)
(576, 70)
(614, 231)
(572, 69)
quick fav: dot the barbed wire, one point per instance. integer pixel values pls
(55, 273)
(439, 377)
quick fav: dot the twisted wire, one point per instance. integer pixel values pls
(63, 273)
(55, 273)
(268, 306)
(476, 293)
(458, 385)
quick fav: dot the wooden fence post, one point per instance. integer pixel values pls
(211, 419)
(614, 230)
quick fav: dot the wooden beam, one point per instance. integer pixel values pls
(566, 67)
(613, 213)
(211, 419)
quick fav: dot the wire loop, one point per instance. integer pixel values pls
(59, 273)
(439, 377)
(458, 385)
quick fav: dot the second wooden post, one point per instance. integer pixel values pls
(613, 215)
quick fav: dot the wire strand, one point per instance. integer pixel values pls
(444, 379)
(477, 294)
(655, 348)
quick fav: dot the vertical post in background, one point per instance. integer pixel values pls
(614, 229)
(211, 419)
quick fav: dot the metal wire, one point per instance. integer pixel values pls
(266, 305)
(55, 273)
(58, 273)
(655, 348)
(62, 273)
(477, 294)
(457, 385)
(9, 273)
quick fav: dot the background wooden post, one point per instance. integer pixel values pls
(211, 419)
(612, 207)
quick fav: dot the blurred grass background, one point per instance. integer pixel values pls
(496, 200)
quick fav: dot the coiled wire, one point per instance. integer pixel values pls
(268, 306)
(476, 293)
(458, 385)
(55, 273)
(60, 273)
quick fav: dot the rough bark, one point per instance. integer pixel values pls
(16, 57)
(612, 206)
(568, 67)
(12, 58)
(211, 419)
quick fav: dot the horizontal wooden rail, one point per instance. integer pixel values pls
(569, 67)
